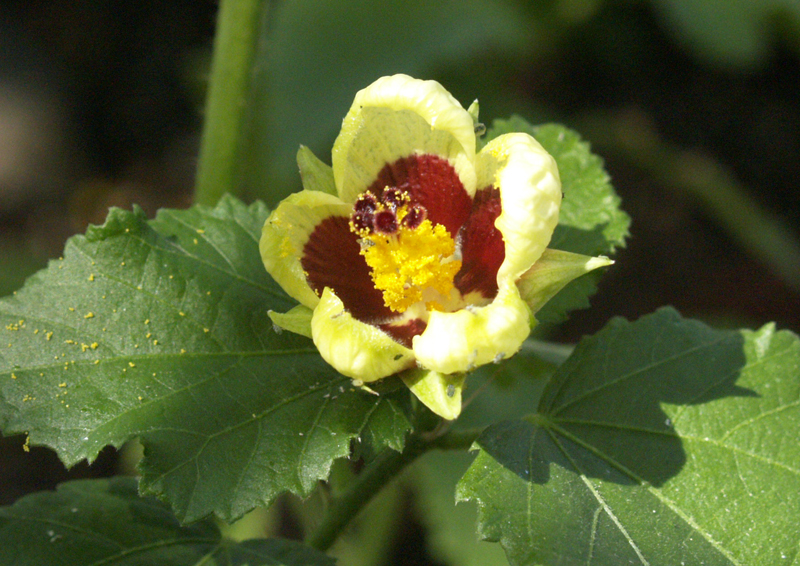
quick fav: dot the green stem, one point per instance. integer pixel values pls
(456, 439)
(370, 481)
(342, 509)
(238, 25)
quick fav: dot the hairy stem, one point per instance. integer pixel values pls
(238, 25)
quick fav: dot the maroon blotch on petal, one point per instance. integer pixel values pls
(431, 182)
(404, 333)
(482, 246)
(331, 258)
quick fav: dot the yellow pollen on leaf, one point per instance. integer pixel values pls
(405, 264)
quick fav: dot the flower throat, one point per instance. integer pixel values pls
(410, 258)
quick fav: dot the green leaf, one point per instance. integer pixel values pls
(658, 442)
(106, 522)
(505, 391)
(159, 330)
(590, 222)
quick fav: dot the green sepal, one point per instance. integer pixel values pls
(297, 320)
(315, 174)
(552, 272)
(441, 393)
(473, 110)
(480, 128)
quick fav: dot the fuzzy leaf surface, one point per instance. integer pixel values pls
(94, 522)
(658, 442)
(159, 330)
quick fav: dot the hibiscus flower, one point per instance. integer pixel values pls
(415, 254)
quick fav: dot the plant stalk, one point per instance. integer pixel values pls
(386, 466)
(238, 26)
(370, 481)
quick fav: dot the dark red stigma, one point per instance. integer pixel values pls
(380, 215)
(415, 216)
(385, 222)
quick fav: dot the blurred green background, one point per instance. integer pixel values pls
(694, 105)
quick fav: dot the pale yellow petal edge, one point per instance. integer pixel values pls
(397, 116)
(530, 193)
(460, 341)
(286, 232)
(355, 349)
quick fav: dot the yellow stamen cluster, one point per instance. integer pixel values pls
(406, 264)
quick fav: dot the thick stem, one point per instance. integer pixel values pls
(238, 25)
(369, 482)
(374, 477)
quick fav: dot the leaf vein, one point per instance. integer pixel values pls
(601, 501)
(8, 513)
(688, 519)
(755, 419)
(179, 251)
(631, 374)
(141, 549)
(193, 229)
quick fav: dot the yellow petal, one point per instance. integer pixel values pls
(530, 193)
(355, 349)
(286, 232)
(395, 117)
(460, 341)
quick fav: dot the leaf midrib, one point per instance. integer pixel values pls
(554, 411)
(687, 518)
(283, 402)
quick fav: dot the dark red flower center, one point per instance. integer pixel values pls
(404, 195)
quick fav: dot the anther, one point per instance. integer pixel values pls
(366, 204)
(362, 221)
